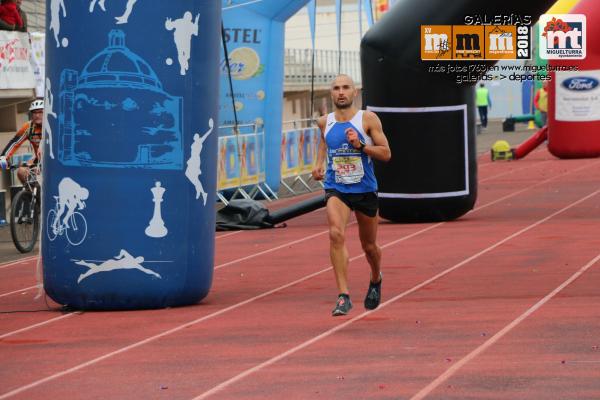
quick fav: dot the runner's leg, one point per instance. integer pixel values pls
(337, 216)
(367, 230)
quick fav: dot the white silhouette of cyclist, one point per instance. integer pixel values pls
(123, 261)
(193, 170)
(184, 29)
(71, 196)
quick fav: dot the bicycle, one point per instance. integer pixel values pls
(75, 230)
(25, 212)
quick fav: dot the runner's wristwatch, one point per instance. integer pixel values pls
(362, 145)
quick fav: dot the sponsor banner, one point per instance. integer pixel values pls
(299, 151)
(247, 46)
(241, 160)
(16, 71)
(309, 147)
(381, 7)
(311, 7)
(290, 163)
(38, 60)
(228, 174)
(250, 168)
(578, 96)
(562, 36)
(369, 11)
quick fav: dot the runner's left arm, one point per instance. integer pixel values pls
(380, 149)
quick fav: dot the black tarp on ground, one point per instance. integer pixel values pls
(242, 214)
(251, 214)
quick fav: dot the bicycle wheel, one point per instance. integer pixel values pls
(50, 231)
(24, 222)
(77, 230)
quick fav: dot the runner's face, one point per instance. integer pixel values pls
(342, 92)
(37, 116)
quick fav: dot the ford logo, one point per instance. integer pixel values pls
(580, 83)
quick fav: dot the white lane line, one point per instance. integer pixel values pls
(235, 306)
(227, 234)
(331, 331)
(325, 231)
(389, 244)
(18, 291)
(3, 336)
(583, 362)
(353, 222)
(483, 347)
(512, 171)
(183, 326)
(17, 262)
(272, 249)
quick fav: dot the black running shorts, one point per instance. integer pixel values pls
(366, 203)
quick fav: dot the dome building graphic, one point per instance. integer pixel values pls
(116, 114)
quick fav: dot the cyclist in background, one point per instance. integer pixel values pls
(31, 131)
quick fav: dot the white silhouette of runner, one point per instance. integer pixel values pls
(55, 6)
(100, 4)
(123, 261)
(70, 196)
(123, 19)
(193, 171)
(48, 105)
(184, 29)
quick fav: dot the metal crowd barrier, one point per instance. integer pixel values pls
(299, 149)
(241, 165)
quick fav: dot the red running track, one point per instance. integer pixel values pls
(500, 304)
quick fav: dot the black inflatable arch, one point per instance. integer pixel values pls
(428, 118)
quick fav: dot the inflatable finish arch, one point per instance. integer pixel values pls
(429, 119)
(574, 96)
(255, 31)
(130, 160)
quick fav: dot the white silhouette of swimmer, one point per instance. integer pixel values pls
(123, 261)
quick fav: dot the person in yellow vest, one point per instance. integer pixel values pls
(483, 101)
(541, 102)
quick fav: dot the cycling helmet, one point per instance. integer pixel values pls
(36, 105)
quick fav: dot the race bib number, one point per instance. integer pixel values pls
(348, 169)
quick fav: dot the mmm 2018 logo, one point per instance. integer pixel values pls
(475, 42)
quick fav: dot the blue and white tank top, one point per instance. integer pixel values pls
(349, 170)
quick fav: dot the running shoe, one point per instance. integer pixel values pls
(342, 306)
(373, 294)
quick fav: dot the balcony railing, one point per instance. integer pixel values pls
(327, 66)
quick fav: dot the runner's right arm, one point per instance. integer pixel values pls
(319, 170)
